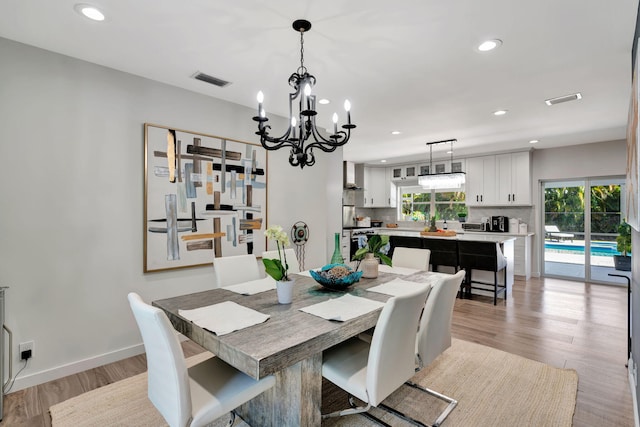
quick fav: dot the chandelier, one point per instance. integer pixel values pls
(440, 181)
(302, 136)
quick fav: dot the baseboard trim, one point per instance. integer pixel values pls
(634, 397)
(75, 367)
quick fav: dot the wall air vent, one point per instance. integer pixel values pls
(210, 79)
(561, 99)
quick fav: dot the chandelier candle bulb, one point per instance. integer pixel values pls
(335, 123)
(293, 127)
(347, 107)
(260, 100)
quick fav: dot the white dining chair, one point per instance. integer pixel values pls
(230, 270)
(411, 258)
(434, 337)
(188, 397)
(371, 372)
(292, 259)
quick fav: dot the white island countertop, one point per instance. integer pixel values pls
(473, 237)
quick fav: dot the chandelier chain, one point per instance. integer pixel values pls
(302, 68)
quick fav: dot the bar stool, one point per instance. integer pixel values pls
(444, 252)
(486, 256)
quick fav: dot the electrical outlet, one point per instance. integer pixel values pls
(25, 347)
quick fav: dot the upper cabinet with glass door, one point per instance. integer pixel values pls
(404, 173)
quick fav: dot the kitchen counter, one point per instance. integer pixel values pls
(471, 236)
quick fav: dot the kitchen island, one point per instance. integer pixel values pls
(444, 256)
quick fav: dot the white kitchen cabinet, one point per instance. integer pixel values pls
(404, 172)
(378, 190)
(480, 185)
(501, 180)
(513, 178)
(522, 256)
(442, 166)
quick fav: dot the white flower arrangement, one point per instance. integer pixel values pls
(277, 268)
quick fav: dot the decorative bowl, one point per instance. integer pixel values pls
(330, 280)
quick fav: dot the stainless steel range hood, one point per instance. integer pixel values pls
(349, 176)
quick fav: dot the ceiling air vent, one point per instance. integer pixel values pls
(561, 99)
(210, 79)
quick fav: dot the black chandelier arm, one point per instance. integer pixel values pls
(334, 141)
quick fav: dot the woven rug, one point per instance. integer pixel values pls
(492, 388)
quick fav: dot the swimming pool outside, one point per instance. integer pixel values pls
(607, 249)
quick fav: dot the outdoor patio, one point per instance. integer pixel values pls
(570, 263)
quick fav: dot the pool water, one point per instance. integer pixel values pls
(597, 248)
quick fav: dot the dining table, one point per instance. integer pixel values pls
(288, 345)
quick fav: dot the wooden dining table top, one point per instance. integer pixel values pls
(289, 335)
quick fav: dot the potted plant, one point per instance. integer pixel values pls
(278, 268)
(462, 216)
(375, 248)
(623, 262)
(432, 227)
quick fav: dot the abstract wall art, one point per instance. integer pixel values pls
(205, 197)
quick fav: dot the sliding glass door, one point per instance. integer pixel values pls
(564, 226)
(581, 220)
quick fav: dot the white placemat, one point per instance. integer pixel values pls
(402, 271)
(224, 317)
(398, 287)
(253, 286)
(343, 308)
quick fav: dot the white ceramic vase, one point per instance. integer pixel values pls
(284, 289)
(369, 266)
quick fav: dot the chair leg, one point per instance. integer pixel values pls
(505, 285)
(452, 402)
(495, 287)
(362, 410)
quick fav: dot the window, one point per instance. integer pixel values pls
(420, 206)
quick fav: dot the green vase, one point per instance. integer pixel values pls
(336, 258)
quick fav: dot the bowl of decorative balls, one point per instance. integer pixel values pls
(336, 277)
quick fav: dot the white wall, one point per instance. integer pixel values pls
(71, 217)
(578, 161)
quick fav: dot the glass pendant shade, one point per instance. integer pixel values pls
(441, 181)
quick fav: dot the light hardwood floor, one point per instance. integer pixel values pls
(565, 324)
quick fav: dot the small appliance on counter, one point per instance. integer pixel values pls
(499, 224)
(376, 223)
(363, 221)
(473, 226)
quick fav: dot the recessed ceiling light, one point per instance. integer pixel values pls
(566, 98)
(533, 141)
(449, 152)
(383, 161)
(500, 113)
(395, 132)
(324, 101)
(489, 45)
(89, 11)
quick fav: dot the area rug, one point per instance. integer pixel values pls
(492, 388)
(122, 404)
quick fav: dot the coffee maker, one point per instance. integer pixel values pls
(499, 224)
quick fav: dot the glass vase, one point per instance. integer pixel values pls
(336, 258)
